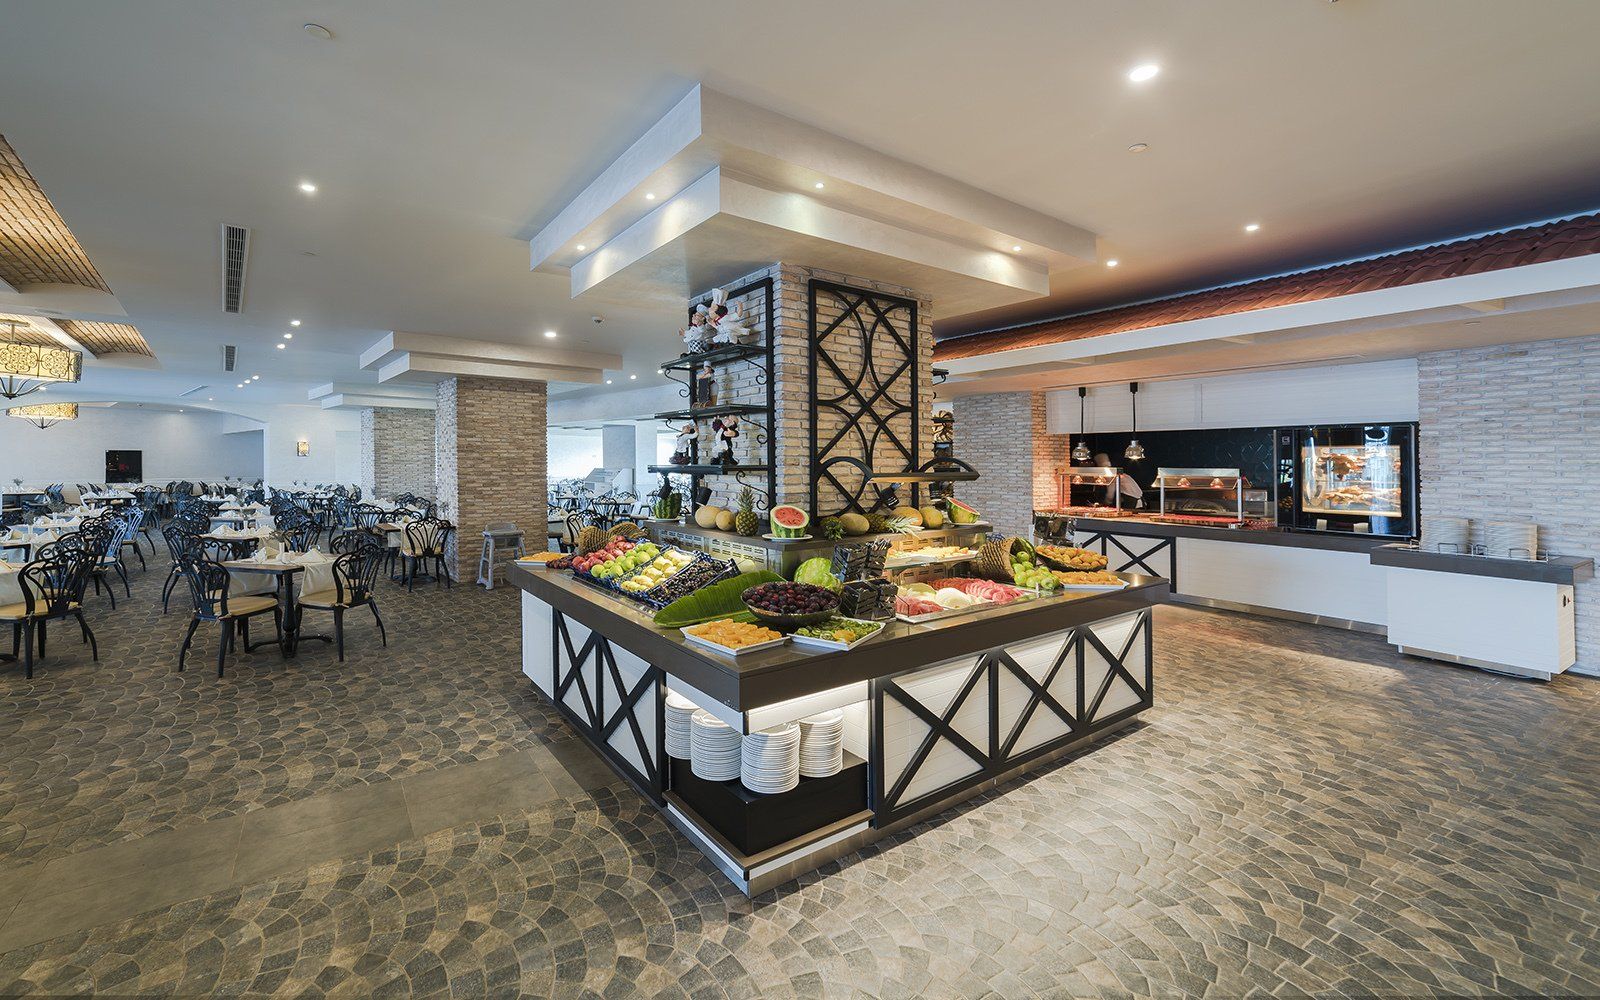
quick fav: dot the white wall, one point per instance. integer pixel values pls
(573, 454)
(334, 438)
(193, 445)
(1379, 391)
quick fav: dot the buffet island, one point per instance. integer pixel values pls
(925, 713)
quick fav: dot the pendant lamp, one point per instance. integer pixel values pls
(44, 415)
(1080, 451)
(26, 368)
(1135, 451)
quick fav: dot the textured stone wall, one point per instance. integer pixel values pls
(995, 434)
(1508, 434)
(737, 383)
(489, 461)
(397, 452)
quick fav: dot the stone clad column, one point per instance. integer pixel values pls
(490, 450)
(396, 452)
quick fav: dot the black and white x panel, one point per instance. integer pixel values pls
(935, 728)
(616, 698)
(1038, 682)
(1116, 667)
(1133, 553)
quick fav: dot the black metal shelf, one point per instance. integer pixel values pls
(704, 469)
(729, 352)
(697, 412)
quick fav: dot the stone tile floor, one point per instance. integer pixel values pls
(1303, 813)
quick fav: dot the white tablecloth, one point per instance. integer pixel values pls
(10, 583)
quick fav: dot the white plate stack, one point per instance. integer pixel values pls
(1510, 540)
(713, 748)
(679, 711)
(822, 744)
(772, 759)
(1446, 534)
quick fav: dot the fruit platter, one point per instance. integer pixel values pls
(650, 573)
(733, 637)
(837, 632)
(952, 596)
(787, 605)
(1029, 575)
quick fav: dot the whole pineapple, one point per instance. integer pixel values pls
(832, 528)
(877, 523)
(745, 522)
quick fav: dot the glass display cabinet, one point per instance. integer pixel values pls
(1359, 478)
(1083, 489)
(1201, 494)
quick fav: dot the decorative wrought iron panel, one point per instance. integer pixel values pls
(863, 392)
(593, 695)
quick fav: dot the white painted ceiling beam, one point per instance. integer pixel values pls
(392, 391)
(417, 366)
(354, 401)
(395, 343)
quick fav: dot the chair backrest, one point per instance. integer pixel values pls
(208, 585)
(428, 535)
(52, 584)
(301, 533)
(574, 525)
(368, 515)
(355, 573)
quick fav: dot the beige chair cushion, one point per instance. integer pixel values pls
(19, 611)
(323, 599)
(240, 606)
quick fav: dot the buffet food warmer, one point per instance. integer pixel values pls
(1089, 490)
(1206, 494)
(1355, 477)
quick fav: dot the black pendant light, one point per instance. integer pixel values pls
(1135, 451)
(1080, 451)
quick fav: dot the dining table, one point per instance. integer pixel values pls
(313, 571)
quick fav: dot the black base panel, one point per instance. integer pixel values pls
(753, 822)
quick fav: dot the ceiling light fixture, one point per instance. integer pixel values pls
(632, 377)
(1252, 227)
(549, 335)
(818, 185)
(582, 247)
(26, 368)
(1138, 147)
(649, 196)
(255, 378)
(1135, 451)
(1143, 72)
(288, 336)
(317, 31)
(1016, 248)
(608, 381)
(211, 399)
(294, 322)
(1113, 262)
(44, 415)
(282, 346)
(1080, 451)
(308, 187)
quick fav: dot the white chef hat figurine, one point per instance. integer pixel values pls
(729, 323)
(697, 335)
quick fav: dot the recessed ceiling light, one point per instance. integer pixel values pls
(255, 378)
(608, 381)
(1143, 72)
(308, 187)
(288, 336)
(294, 322)
(211, 399)
(281, 346)
(239, 386)
(1252, 227)
(1113, 262)
(1017, 248)
(317, 31)
(818, 185)
(550, 334)
(1138, 147)
(631, 377)
(582, 247)
(649, 196)
(660, 371)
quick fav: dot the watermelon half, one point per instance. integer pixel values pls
(960, 513)
(789, 521)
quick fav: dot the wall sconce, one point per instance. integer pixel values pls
(302, 447)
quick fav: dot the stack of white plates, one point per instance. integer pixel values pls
(772, 759)
(1446, 534)
(713, 748)
(822, 744)
(679, 711)
(1511, 540)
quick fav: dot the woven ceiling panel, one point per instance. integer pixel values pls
(25, 332)
(35, 244)
(106, 338)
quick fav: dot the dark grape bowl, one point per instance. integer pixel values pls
(785, 605)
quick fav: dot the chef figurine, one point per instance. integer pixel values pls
(705, 386)
(697, 335)
(726, 430)
(681, 453)
(728, 322)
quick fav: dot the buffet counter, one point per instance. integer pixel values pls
(933, 712)
(1327, 579)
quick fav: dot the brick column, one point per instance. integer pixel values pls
(1002, 435)
(490, 449)
(397, 452)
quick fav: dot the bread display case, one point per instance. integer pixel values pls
(1208, 494)
(1359, 478)
(1089, 490)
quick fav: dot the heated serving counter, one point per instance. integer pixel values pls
(933, 712)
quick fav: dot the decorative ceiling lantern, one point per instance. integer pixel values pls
(1080, 451)
(1135, 451)
(43, 415)
(26, 368)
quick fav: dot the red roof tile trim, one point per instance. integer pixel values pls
(1496, 251)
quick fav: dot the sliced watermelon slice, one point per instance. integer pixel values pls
(961, 513)
(789, 521)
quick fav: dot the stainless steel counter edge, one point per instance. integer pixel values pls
(1567, 570)
(789, 671)
(1268, 536)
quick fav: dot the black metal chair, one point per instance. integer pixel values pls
(355, 574)
(209, 582)
(427, 540)
(52, 588)
(183, 541)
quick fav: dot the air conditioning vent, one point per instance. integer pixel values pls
(235, 255)
(229, 352)
(198, 388)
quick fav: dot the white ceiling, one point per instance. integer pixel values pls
(443, 135)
